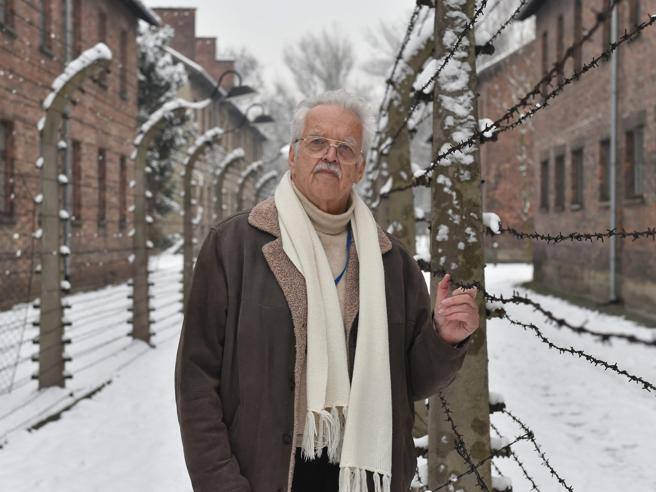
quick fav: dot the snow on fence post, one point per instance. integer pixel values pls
(262, 185)
(391, 157)
(140, 286)
(456, 244)
(195, 151)
(247, 176)
(51, 323)
(234, 158)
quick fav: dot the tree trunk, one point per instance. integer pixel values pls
(457, 247)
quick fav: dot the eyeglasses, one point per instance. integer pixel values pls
(316, 146)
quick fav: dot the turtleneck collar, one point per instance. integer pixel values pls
(323, 221)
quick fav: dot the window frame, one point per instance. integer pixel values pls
(544, 185)
(559, 182)
(603, 167)
(101, 199)
(45, 27)
(577, 173)
(8, 205)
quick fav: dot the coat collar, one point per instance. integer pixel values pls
(264, 216)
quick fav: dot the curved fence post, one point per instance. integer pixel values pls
(390, 160)
(51, 324)
(145, 137)
(232, 159)
(207, 139)
(262, 189)
(247, 175)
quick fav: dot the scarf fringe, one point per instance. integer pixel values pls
(326, 433)
(355, 480)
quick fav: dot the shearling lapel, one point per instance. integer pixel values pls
(264, 216)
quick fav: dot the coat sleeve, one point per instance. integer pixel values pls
(433, 362)
(210, 462)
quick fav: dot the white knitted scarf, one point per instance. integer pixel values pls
(353, 420)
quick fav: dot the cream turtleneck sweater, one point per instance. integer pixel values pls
(332, 232)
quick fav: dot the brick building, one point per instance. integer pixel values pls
(572, 151)
(204, 70)
(507, 164)
(37, 41)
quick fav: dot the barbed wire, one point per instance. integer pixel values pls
(516, 459)
(538, 449)
(419, 94)
(503, 26)
(423, 178)
(603, 337)
(646, 385)
(649, 233)
(460, 447)
(389, 82)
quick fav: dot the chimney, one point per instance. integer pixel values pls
(206, 56)
(183, 21)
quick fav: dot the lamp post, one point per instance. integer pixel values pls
(234, 91)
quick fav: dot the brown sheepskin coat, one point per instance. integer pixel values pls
(243, 345)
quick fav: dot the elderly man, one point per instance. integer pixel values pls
(309, 331)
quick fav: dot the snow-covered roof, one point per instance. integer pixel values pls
(191, 64)
(530, 8)
(143, 12)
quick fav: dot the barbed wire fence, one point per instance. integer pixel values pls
(545, 90)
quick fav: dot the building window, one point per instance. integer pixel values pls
(577, 178)
(560, 48)
(578, 35)
(605, 32)
(7, 13)
(102, 38)
(77, 27)
(102, 187)
(634, 17)
(76, 159)
(634, 162)
(46, 25)
(559, 178)
(6, 170)
(122, 193)
(545, 61)
(604, 170)
(544, 185)
(123, 65)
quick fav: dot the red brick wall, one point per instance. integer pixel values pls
(580, 116)
(206, 56)
(507, 164)
(100, 117)
(183, 20)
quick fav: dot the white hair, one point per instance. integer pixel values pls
(340, 98)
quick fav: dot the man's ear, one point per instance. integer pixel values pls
(360, 169)
(291, 159)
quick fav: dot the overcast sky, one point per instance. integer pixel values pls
(266, 26)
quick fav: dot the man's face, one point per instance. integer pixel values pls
(326, 181)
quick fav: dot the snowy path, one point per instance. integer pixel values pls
(596, 428)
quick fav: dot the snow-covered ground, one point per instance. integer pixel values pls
(596, 428)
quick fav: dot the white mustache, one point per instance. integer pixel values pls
(330, 167)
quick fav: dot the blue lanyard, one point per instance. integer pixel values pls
(349, 239)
